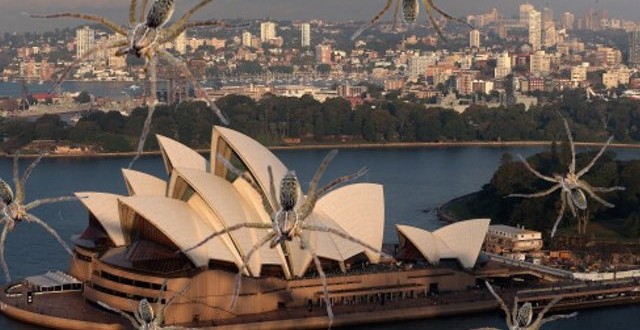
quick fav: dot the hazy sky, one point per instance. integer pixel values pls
(11, 19)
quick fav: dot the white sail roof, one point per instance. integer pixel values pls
(143, 184)
(105, 209)
(461, 240)
(176, 154)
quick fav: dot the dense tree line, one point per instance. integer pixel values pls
(275, 120)
(540, 213)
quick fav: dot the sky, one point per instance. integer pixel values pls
(12, 19)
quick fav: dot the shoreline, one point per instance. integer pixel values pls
(393, 145)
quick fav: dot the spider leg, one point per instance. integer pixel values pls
(558, 317)
(547, 308)
(16, 178)
(428, 7)
(572, 166)
(593, 195)
(115, 27)
(396, 10)
(323, 277)
(593, 161)
(610, 189)
(245, 261)
(341, 180)
(228, 230)
(53, 232)
(272, 188)
(536, 173)
(185, 70)
(89, 53)
(132, 12)
(312, 196)
(345, 236)
(185, 17)
(160, 315)
(249, 179)
(373, 21)
(540, 194)
(44, 201)
(136, 313)
(27, 172)
(143, 10)
(501, 303)
(146, 128)
(448, 16)
(123, 314)
(3, 238)
(564, 201)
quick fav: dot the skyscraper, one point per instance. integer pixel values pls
(305, 30)
(246, 38)
(568, 20)
(524, 13)
(634, 49)
(535, 29)
(267, 31)
(547, 15)
(85, 40)
(474, 38)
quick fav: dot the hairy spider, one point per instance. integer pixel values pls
(144, 318)
(572, 187)
(145, 38)
(14, 210)
(521, 318)
(410, 10)
(287, 222)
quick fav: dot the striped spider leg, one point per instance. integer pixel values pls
(14, 210)
(572, 188)
(144, 316)
(145, 38)
(521, 317)
(287, 222)
(410, 11)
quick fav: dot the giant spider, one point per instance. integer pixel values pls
(15, 211)
(410, 10)
(287, 222)
(522, 318)
(145, 318)
(573, 188)
(145, 39)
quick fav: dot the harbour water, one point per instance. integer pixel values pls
(414, 180)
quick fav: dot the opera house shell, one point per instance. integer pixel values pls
(133, 243)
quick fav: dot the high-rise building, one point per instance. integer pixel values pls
(503, 65)
(474, 38)
(323, 53)
(246, 39)
(267, 31)
(180, 43)
(525, 8)
(305, 31)
(535, 30)
(540, 63)
(634, 49)
(418, 65)
(568, 20)
(550, 35)
(85, 40)
(547, 15)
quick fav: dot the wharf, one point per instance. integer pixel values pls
(72, 311)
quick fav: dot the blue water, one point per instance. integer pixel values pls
(413, 179)
(110, 89)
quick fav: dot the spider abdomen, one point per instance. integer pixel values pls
(410, 10)
(6, 193)
(578, 198)
(160, 13)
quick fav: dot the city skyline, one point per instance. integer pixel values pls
(12, 20)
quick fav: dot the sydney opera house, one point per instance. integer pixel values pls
(132, 243)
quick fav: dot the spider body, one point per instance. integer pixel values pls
(145, 34)
(410, 10)
(521, 317)
(160, 13)
(288, 220)
(145, 317)
(15, 211)
(572, 187)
